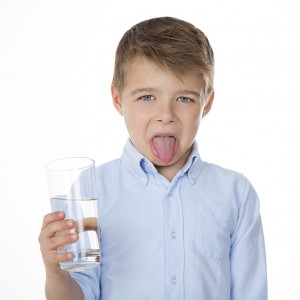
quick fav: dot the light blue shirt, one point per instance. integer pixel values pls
(198, 237)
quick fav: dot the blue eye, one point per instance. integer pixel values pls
(147, 98)
(184, 99)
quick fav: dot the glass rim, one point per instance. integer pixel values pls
(57, 164)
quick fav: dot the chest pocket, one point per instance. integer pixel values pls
(213, 231)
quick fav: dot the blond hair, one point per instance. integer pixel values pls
(170, 43)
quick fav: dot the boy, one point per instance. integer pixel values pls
(172, 226)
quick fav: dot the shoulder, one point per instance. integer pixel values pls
(221, 174)
(108, 167)
(227, 183)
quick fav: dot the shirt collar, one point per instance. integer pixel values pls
(193, 165)
(139, 165)
(133, 160)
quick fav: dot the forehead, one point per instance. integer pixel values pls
(140, 69)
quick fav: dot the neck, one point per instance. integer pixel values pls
(169, 171)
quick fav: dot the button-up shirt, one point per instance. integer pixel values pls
(198, 237)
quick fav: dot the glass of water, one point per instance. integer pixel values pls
(71, 184)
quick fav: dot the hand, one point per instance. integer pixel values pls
(56, 232)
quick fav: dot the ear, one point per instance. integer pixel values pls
(116, 99)
(208, 104)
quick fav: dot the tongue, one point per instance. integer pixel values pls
(164, 148)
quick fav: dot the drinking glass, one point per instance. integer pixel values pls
(71, 183)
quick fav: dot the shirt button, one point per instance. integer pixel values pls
(173, 280)
(173, 235)
(170, 194)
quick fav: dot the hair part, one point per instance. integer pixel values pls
(169, 43)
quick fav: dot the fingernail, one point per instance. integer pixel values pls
(70, 222)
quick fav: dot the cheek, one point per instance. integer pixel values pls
(132, 112)
(134, 118)
(192, 119)
(135, 124)
(191, 126)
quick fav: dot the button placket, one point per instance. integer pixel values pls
(173, 280)
(174, 247)
(173, 234)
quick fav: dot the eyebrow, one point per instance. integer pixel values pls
(142, 90)
(189, 92)
(150, 90)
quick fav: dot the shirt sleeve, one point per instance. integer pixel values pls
(247, 257)
(89, 281)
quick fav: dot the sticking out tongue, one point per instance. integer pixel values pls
(164, 147)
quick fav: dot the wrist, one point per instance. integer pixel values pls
(56, 274)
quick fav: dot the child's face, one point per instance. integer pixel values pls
(162, 112)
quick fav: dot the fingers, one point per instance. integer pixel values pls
(62, 240)
(56, 232)
(53, 258)
(52, 217)
(53, 228)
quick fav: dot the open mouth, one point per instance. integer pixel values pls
(164, 147)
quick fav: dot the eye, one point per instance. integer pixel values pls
(146, 98)
(184, 99)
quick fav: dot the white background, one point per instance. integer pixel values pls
(56, 63)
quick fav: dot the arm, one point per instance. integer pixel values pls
(59, 284)
(248, 261)
(62, 286)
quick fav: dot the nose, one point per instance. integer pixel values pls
(166, 113)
